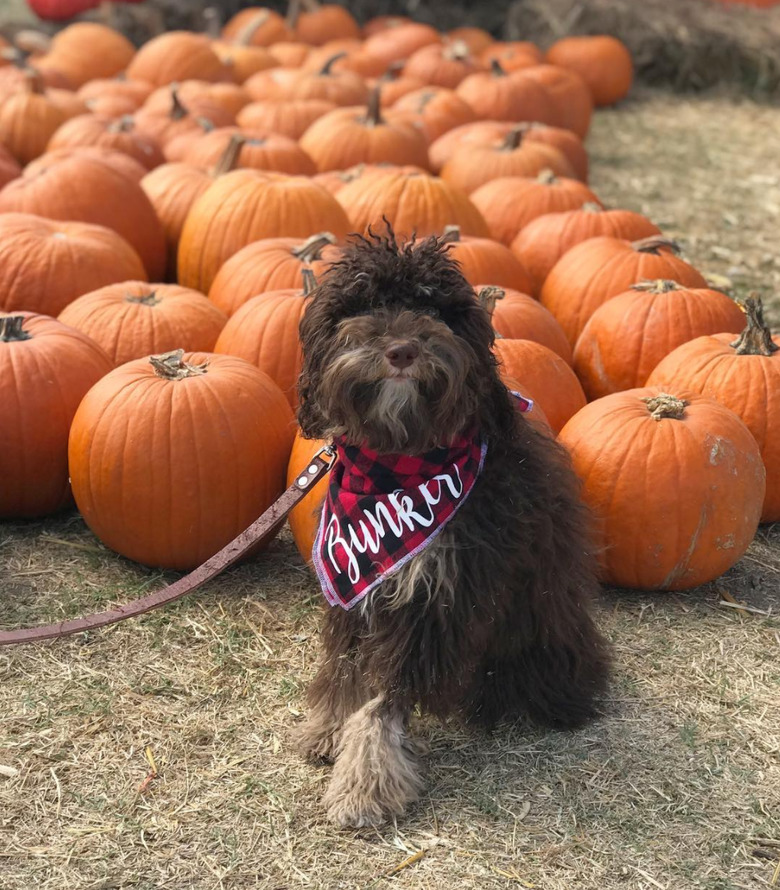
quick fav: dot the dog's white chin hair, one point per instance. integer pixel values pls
(396, 401)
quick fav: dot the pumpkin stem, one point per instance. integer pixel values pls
(489, 296)
(450, 235)
(245, 35)
(659, 286)
(204, 123)
(122, 125)
(147, 300)
(756, 339)
(654, 243)
(11, 329)
(392, 73)
(33, 80)
(171, 366)
(309, 282)
(514, 137)
(373, 110)
(312, 247)
(547, 177)
(457, 51)
(212, 22)
(230, 155)
(665, 406)
(293, 13)
(178, 110)
(496, 68)
(329, 63)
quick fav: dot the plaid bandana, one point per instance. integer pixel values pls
(381, 510)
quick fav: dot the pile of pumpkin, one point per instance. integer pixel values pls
(227, 169)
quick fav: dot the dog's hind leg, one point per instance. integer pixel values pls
(376, 774)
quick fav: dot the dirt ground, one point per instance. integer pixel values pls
(159, 753)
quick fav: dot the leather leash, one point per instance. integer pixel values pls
(273, 517)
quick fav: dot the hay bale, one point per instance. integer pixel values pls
(689, 45)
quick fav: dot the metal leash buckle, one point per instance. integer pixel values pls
(320, 464)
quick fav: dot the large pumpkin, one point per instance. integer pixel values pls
(603, 62)
(46, 369)
(499, 95)
(542, 375)
(600, 268)
(304, 519)
(88, 189)
(44, 265)
(173, 493)
(412, 202)
(744, 375)
(176, 56)
(264, 331)
(134, 319)
(626, 337)
(675, 482)
(509, 203)
(541, 243)
(87, 50)
(269, 265)
(224, 219)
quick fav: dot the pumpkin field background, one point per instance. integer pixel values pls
(159, 752)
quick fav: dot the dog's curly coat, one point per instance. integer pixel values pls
(492, 620)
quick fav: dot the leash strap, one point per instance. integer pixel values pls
(273, 517)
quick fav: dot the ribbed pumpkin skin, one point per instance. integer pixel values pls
(104, 131)
(263, 266)
(87, 189)
(542, 375)
(569, 94)
(592, 272)
(509, 203)
(134, 319)
(520, 317)
(42, 382)
(84, 51)
(264, 331)
(176, 56)
(27, 122)
(305, 517)
(260, 151)
(747, 384)
(485, 260)
(603, 62)
(507, 97)
(434, 110)
(9, 166)
(626, 337)
(224, 219)
(412, 202)
(44, 265)
(291, 118)
(166, 472)
(395, 44)
(541, 243)
(676, 502)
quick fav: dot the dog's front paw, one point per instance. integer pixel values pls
(353, 807)
(317, 742)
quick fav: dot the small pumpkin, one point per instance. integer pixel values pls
(290, 119)
(511, 55)
(46, 370)
(272, 264)
(399, 42)
(133, 319)
(84, 51)
(443, 65)
(569, 94)
(483, 259)
(500, 95)
(434, 110)
(603, 62)
(219, 459)
(626, 337)
(675, 482)
(118, 134)
(595, 270)
(742, 374)
(509, 203)
(540, 244)
(322, 22)
(165, 118)
(264, 26)
(476, 39)
(176, 56)
(28, 119)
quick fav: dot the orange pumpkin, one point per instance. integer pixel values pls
(28, 119)
(343, 88)
(290, 119)
(476, 39)
(500, 95)
(219, 459)
(511, 55)
(569, 94)
(219, 102)
(322, 22)
(509, 203)
(473, 166)
(395, 44)
(46, 369)
(541, 243)
(272, 264)
(134, 319)
(542, 375)
(443, 65)
(223, 219)
(9, 166)
(176, 56)
(516, 316)
(264, 331)
(675, 482)
(349, 136)
(626, 337)
(88, 189)
(134, 92)
(600, 268)
(85, 51)
(263, 27)
(567, 142)
(603, 62)
(394, 86)
(305, 516)
(482, 259)
(434, 110)
(259, 151)
(742, 374)
(44, 265)
(118, 160)
(117, 134)
(411, 201)
(164, 117)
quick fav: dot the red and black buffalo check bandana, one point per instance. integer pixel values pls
(381, 510)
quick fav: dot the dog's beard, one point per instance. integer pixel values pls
(367, 402)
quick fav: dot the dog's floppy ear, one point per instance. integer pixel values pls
(316, 331)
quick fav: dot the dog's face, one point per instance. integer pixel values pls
(397, 351)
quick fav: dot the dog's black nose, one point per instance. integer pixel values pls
(401, 353)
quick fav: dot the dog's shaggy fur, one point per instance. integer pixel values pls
(492, 620)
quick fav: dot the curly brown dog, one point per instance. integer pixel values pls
(485, 612)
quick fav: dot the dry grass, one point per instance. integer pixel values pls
(679, 787)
